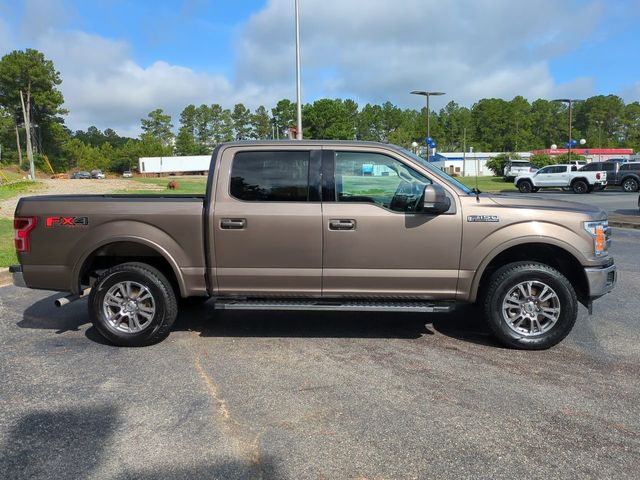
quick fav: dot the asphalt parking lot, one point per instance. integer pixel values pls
(323, 396)
(612, 200)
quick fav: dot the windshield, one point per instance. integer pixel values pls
(439, 173)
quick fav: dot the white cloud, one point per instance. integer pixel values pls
(380, 50)
(103, 86)
(631, 93)
(371, 50)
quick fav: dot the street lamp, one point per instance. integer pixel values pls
(427, 94)
(570, 101)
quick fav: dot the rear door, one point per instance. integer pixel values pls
(267, 223)
(375, 243)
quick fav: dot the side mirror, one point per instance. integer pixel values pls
(435, 199)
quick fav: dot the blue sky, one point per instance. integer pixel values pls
(120, 59)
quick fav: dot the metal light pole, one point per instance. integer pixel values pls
(570, 101)
(298, 94)
(427, 94)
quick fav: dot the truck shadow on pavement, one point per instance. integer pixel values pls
(79, 443)
(465, 323)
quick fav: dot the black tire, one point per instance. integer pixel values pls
(535, 189)
(501, 286)
(525, 186)
(162, 303)
(580, 186)
(630, 185)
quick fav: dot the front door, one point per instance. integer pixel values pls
(376, 242)
(267, 223)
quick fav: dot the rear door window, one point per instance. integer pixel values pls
(279, 176)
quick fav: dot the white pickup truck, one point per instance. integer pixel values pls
(564, 176)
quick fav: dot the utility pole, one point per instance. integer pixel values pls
(18, 143)
(298, 93)
(27, 127)
(464, 150)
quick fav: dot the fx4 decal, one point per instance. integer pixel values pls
(66, 221)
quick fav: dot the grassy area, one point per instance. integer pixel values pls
(186, 185)
(7, 249)
(488, 184)
(13, 189)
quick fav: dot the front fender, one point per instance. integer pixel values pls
(493, 244)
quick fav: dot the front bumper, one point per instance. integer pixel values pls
(601, 280)
(18, 277)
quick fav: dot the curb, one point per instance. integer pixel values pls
(5, 277)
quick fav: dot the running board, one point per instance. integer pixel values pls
(341, 306)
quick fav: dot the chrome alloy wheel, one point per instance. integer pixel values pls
(531, 308)
(129, 307)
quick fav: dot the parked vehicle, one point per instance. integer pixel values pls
(127, 174)
(298, 226)
(98, 174)
(564, 176)
(81, 176)
(513, 168)
(626, 175)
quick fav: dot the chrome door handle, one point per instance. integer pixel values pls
(233, 223)
(342, 224)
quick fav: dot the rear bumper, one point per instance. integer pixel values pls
(18, 277)
(601, 280)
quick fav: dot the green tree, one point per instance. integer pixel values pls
(32, 74)
(284, 116)
(158, 125)
(329, 119)
(261, 124)
(186, 140)
(241, 118)
(541, 159)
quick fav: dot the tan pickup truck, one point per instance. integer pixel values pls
(318, 225)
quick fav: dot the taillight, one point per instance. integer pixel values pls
(23, 227)
(598, 176)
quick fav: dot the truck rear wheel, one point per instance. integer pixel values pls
(580, 186)
(630, 185)
(133, 305)
(529, 305)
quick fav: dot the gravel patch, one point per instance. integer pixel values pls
(66, 187)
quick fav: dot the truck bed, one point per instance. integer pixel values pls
(79, 227)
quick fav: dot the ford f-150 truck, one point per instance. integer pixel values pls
(566, 176)
(318, 225)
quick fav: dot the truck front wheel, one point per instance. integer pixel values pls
(525, 186)
(133, 305)
(529, 305)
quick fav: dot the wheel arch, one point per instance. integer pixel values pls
(118, 250)
(555, 255)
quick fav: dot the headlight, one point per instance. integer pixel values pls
(600, 233)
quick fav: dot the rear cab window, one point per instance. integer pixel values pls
(271, 176)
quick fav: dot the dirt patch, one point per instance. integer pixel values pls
(67, 187)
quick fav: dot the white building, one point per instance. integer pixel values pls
(186, 164)
(467, 164)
